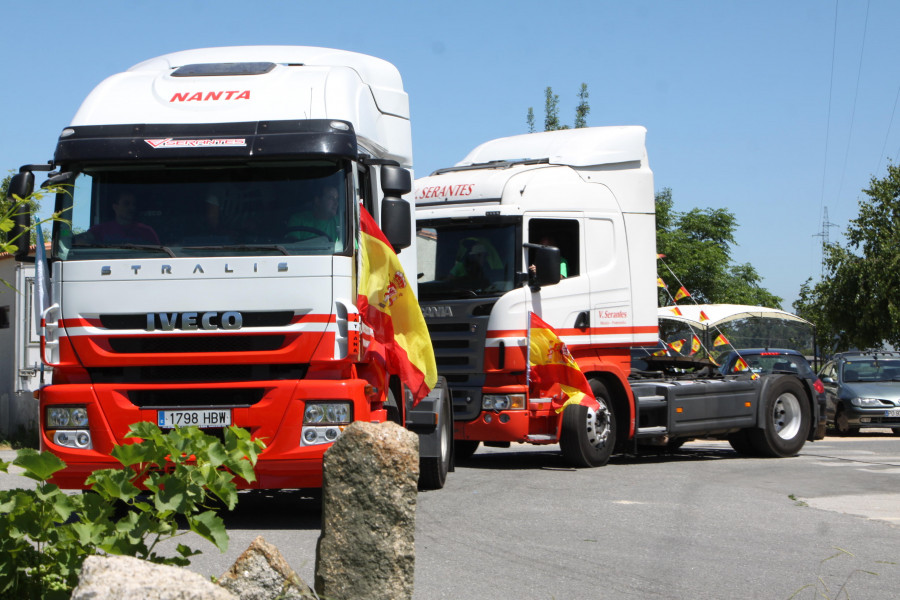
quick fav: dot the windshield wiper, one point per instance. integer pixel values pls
(165, 249)
(244, 247)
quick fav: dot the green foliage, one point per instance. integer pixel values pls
(551, 111)
(697, 248)
(45, 534)
(583, 108)
(856, 304)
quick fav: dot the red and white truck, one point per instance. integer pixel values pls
(578, 205)
(208, 274)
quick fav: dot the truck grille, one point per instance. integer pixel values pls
(194, 344)
(458, 343)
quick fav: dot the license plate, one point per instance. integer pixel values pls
(892, 413)
(204, 418)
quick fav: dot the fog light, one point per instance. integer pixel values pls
(488, 418)
(504, 418)
(80, 440)
(310, 435)
(865, 419)
(331, 434)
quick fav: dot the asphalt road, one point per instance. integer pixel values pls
(702, 523)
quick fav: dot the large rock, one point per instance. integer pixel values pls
(129, 578)
(262, 573)
(367, 546)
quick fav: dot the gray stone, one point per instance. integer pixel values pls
(262, 573)
(129, 578)
(367, 545)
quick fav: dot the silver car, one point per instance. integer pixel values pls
(863, 391)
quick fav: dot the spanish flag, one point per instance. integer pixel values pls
(677, 346)
(720, 340)
(660, 283)
(703, 316)
(695, 344)
(388, 306)
(740, 365)
(675, 310)
(552, 372)
(681, 293)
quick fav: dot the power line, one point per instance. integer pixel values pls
(862, 52)
(830, 96)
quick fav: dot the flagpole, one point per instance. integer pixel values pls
(528, 354)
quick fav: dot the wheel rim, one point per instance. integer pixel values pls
(445, 444)
(786, 415)
(597, 425)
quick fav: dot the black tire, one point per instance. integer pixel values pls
(786, 413)
(740, 442)
(433, 469)
(841, 425)
(464, 449)
(588, 437)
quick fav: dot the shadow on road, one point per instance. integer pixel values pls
(275, 509)
(529, 458)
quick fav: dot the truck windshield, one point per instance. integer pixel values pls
(295, 208)
(467, 259)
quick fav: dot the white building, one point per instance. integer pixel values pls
(20, 363)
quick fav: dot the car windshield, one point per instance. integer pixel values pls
(871, 370)
(301, 207)
(473, 258)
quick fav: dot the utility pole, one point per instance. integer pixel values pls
(826, 225)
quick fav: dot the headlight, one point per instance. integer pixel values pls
(66, 416)
(867, 402)
(327, 412)
(503, 402)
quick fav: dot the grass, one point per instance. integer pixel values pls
(22, 438)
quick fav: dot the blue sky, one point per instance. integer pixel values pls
(774, 110)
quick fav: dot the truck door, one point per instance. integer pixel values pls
(565, 305)
(607, 273)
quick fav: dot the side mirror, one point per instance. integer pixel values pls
(827, 380)
(395, 181)
(21, 185)
(546, 260)
(396, 216)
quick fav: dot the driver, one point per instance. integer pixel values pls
(124, 226)
(320, 220)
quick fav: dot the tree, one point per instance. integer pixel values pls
(697, 253)
(583, 108)
(551, 111)
(857, 301)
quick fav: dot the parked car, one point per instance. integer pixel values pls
(767, 361)
(863, 391)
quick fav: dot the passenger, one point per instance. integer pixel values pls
(321, 220)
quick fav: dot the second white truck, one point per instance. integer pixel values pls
(562, 224)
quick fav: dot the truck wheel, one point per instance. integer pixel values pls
(433, 469)
(741, 443)
(588, 436)
(786, 420)
(464, 449)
